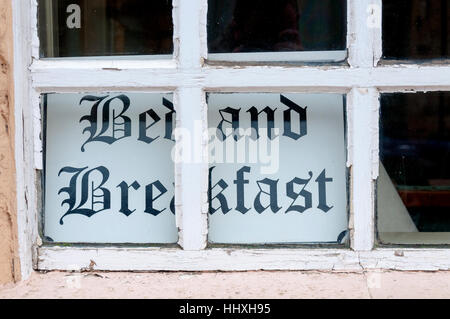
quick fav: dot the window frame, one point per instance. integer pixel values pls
(189, 77)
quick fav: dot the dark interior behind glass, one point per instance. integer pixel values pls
(415, 150)
(112, 27)
(282, 25)
(416, 29)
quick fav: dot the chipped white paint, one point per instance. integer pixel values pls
(211, 259)
(70, 76)
(363, 104)
(27, 208)
(37, 131)
(190, 22)
(187, 75)
(203, 18)
(34, 96)
(157, 62)
(35, 43)
(153, 259)
(364, 32)
(191, 178)
(375, 10)
(406, 259)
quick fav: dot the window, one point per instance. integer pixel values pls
(416, 29)
(344, 130)
(413, 196)
(108, 176)
(76, 28)
(277, 172)
(309, 31)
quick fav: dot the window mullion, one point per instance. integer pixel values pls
(363, 132)
(191, 181)
(190, 32)
(364, 32)
(364, 45)
(191, 168)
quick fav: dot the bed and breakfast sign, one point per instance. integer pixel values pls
(276, 163)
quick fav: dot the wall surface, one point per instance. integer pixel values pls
(242, 285)
(9, 261)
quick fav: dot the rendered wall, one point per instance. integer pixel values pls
(9, 261)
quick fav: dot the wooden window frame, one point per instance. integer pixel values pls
(190, 77)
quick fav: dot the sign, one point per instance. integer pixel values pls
(109, 177)
(277, 168)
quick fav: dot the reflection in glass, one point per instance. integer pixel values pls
(276, 26)
(75, 28)
(416, 29)
(414, 182)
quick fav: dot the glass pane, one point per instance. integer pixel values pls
(76, 28)
(414, 181)
(243, 26)
(109, 177)
(277, 169)
(416, 29)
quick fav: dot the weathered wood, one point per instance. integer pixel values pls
(153, 259)
(190, 78)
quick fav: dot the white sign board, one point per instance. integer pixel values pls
(109, 176)
(287, 184)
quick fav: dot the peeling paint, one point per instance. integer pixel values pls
(188, 75)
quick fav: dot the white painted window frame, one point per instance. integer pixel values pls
(189, 77)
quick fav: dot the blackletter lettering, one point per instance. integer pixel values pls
(322, 180)
(169, 119)
(287, 119)
(254, 115)
(234, 123)
(240, 192)
(143, 127)
(124, 198)
(222, 199)
(293, 195)
(88, 199)
(272, 195)
(124, 127)
(149, 199)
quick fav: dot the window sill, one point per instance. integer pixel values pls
(226, 259)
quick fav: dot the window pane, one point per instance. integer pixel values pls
(277, 169)
(243, 26)
(76, 28)
(109, 177)
(414, 182)
(416, 29)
